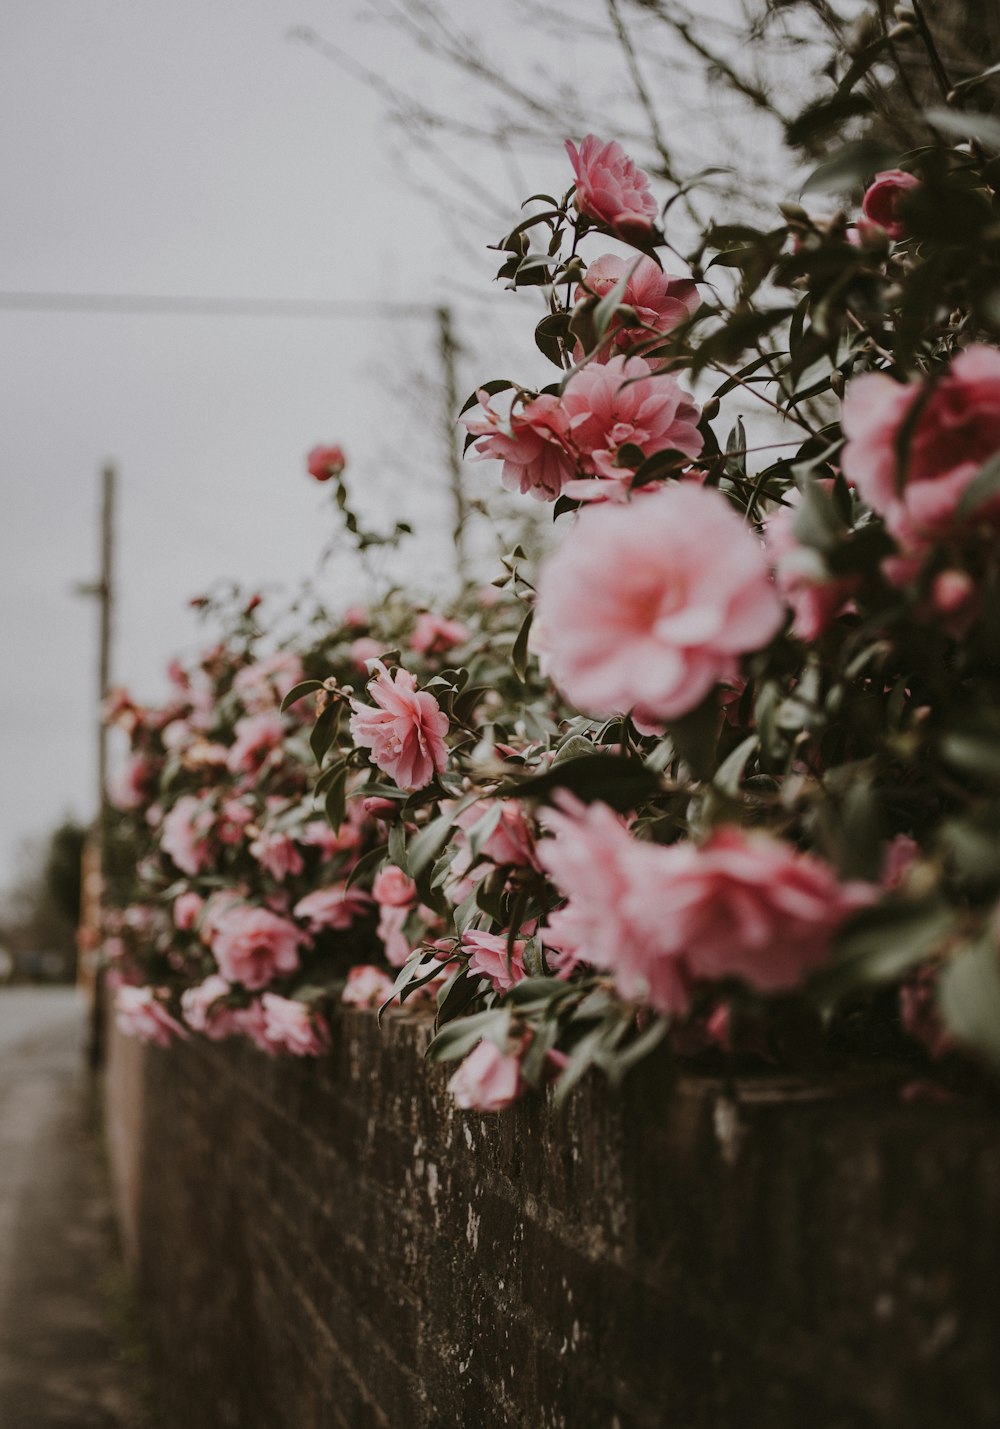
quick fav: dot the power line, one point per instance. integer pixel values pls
(179, 305)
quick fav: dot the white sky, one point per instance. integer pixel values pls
(194, 148)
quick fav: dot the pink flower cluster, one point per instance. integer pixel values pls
(660, 919)
(646, 607)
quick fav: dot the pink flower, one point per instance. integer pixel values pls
(533, 444)
(336, 907)
(956, 430)
(129, 789)
(324, 462)
(233, 819)
(252, 945)
(203, 1012)
(393, 887)
(651, 604)
(660, 301)
(318, 834)
(256, 736)
(742, 905)
(881, 202)
(434, 634)
(251, 1023)
(140, 1012)
(185, 833)
(187, 907)
(264, 684)
(623, 402)
(610, 188)
(356, 615)
(488, 956)
(291, 1027)
(392, 931)
(816, 599)
(278, 854)
(406, 732)
(488, 1080)
(509, 843)
(366, 986)
(363, 649)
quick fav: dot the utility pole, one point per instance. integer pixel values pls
(94, 861)
(448, 349)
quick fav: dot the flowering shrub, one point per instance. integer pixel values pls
(736, 790)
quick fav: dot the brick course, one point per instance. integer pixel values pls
(331, 1243)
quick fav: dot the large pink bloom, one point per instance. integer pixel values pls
(610, 187)
(141, 1012)
(291, 1027)
(660, 301)
(742, 905)
(185, 834)
(256, 736)
(647, 606)
(881, 202)
(624, 402)
(488, 1080)
(252, 945)
(488, 957)
(956, 431)
(405, 733)
(336, 907)
(532, 443)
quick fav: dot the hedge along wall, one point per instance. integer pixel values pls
(332, 1243)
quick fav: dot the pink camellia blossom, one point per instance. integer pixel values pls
(264, 684)
(256, 736)
(185, 834)
(533, 444)
(278, 854)
(956, 430)
(233, 819)
(623, 402)
(393, 887)
(881, 201)
(392, 932)
(363, 649)
(356, 615)
(337, 907)
(324, 462)
(366, 986)
(318, 834)
(251, 1022)
(660, 301)
(141, 1012)
(509, 843)
(129, 789)
(651, 604)
(252, 945)
(611, 188)
(488, 956)
(434, 634)
(814, 596)
(405, 733)
(660, 919)
(203, 1012)
(488, 1080)
(293, 1027)
(187, 907)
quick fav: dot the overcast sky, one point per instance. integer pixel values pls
(196, 148)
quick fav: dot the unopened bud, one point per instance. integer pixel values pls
(902, 32)
(837, 382)
(710, 409)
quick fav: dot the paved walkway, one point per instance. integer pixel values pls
(63, 1301)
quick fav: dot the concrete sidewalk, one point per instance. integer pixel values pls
(63, 1302)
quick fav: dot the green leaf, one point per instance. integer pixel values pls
(461, 1036)
(847, 167)
(730, 771)
(982, 489)
(882, 943)
(335, 803)
(425, 846)
(824, 116)
(964, 124)
(969, 998)
(519, 652)
(324, 731)
(297, 692)
(610, 778)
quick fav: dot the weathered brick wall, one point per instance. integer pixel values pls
(331, 1244)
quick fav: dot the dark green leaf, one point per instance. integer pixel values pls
(296, 693)
(610, 778)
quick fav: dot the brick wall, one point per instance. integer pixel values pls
(331, 1244)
